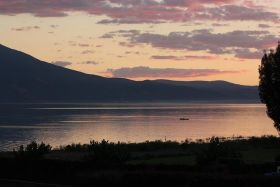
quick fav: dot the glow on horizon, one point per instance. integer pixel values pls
(77, 38)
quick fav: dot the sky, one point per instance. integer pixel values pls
(146, 39)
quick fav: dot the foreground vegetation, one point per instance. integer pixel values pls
(237, 160)
(256, 150)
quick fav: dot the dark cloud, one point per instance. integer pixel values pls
(205, 40)
(247, 54)
(62, 63)
(121, 33)
(163, 13)
(108, 35)
(141, 11)
(147, 72)
(236, 12)
(264, 26)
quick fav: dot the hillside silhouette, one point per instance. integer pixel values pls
(24, 78)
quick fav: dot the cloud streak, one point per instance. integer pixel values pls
(147, 72)
(179, 58)
(240, 43)
(206, 40)
(28, 28)
(62, 63)
(91, 62)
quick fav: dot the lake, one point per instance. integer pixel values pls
(61, 124)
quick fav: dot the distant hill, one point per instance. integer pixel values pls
(24, 78)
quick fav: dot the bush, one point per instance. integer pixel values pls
(217, 151)
(75, 148)
(33, 150)
(105, 152)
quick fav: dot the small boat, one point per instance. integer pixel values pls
(184, 119)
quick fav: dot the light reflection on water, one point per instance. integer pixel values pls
(60, 124)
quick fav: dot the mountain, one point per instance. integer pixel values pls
(230, 89)
(24, 78)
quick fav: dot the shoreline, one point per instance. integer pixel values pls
(190, 140)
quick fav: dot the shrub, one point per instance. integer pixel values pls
(217, 151)
(33, 150)
(105, 152)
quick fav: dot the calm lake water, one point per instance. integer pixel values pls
(61, 124)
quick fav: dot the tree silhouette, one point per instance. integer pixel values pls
(269, 85)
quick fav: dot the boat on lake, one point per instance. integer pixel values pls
(184, 119)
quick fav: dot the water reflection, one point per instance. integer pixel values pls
(60, 124)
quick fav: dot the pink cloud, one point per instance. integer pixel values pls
(147, 72)
(241, 44)
(144, 11)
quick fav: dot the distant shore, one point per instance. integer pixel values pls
(120, 102)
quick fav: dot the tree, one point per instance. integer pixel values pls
(269, 85)
(32, 151)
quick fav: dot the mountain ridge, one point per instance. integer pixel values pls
(25, 78)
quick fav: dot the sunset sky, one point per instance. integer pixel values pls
(146, 39)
